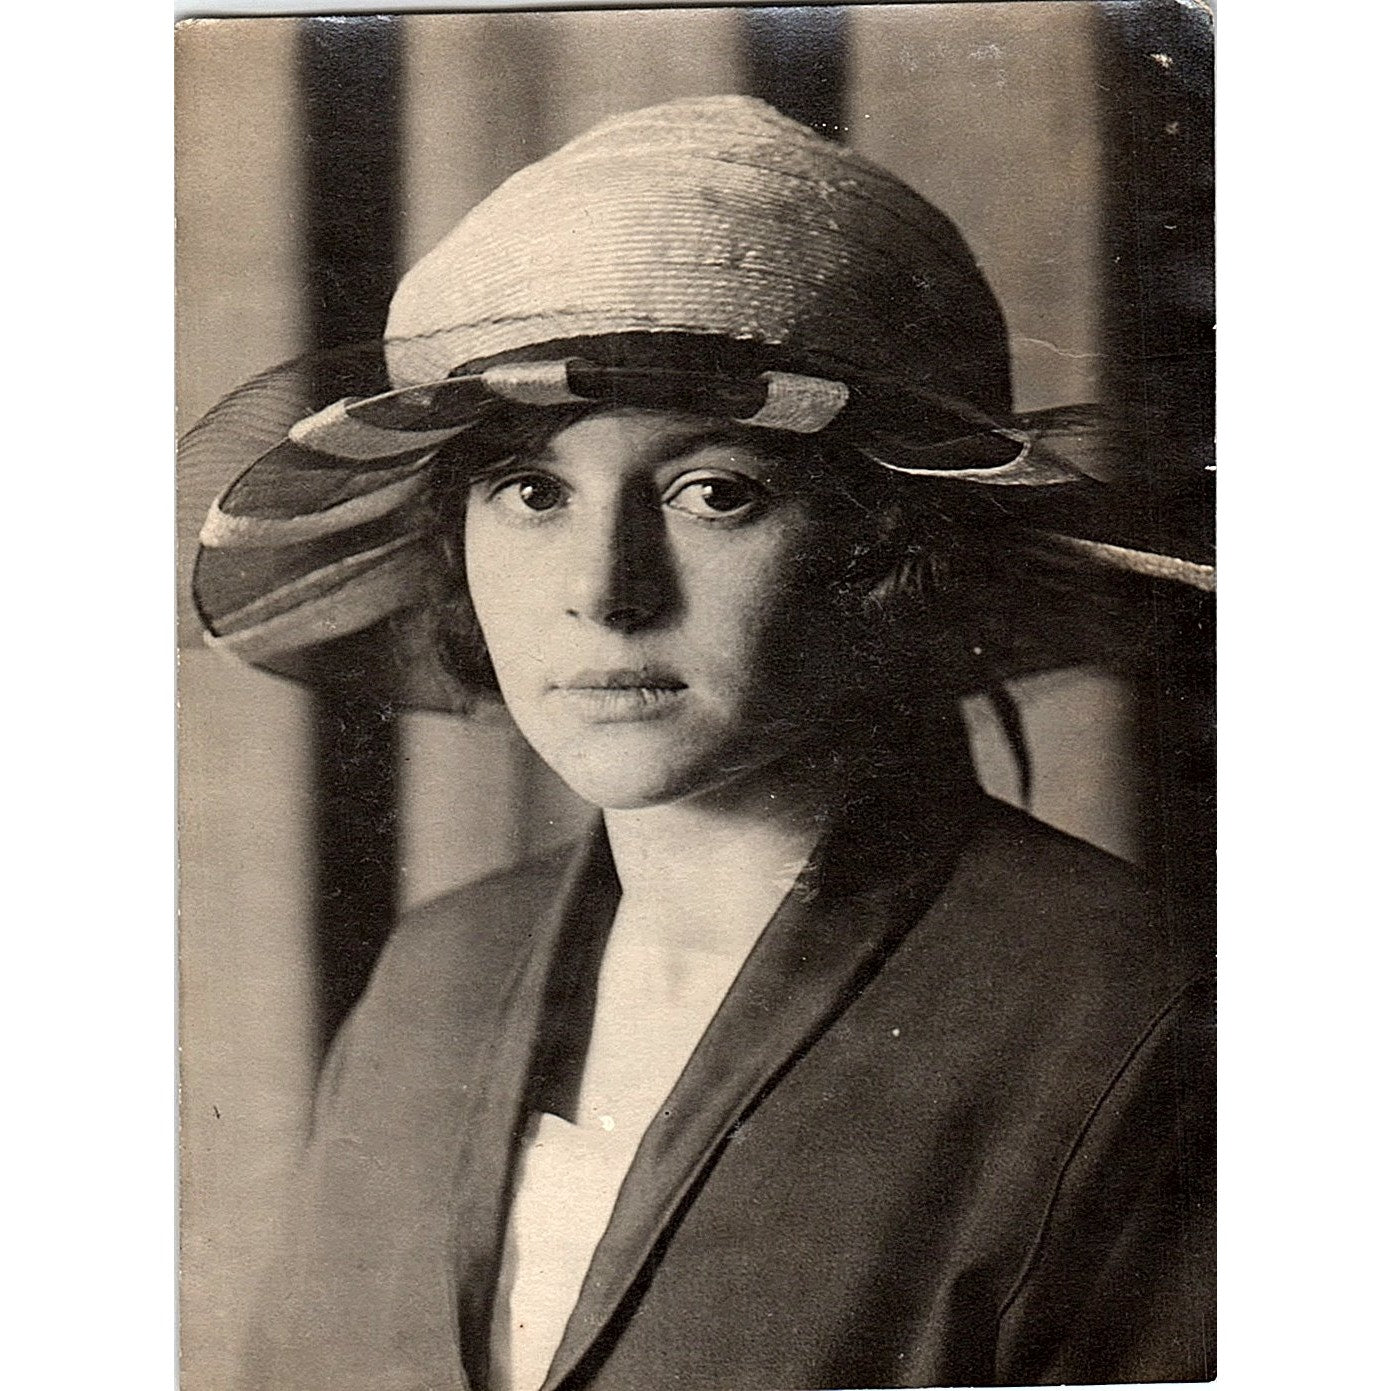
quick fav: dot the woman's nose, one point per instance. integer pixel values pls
(619, 572)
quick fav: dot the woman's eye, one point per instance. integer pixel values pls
(534, 492)
(715, 496)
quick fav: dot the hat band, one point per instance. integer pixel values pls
(414, 418)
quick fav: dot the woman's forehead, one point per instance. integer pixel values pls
(638, 436)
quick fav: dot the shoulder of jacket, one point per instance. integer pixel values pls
(1038, 853)
(1049, 907)
(504, 889)
(482, 926)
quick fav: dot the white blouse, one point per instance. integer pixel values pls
(658, 991)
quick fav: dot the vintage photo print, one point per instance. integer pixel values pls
(696, 698)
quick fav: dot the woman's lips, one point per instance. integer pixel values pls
(622, 679)
(620, 696)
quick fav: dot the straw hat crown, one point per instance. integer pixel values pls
(714, 216)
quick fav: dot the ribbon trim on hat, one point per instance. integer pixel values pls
(344, 597)
(394, 423)
(383, 428)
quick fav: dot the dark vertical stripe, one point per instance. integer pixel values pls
(1156, 66)
(350, 80)
(795, 59)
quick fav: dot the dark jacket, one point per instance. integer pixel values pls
(952, 1126)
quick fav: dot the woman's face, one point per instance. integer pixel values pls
(656, 594)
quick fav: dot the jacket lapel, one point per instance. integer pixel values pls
(573, 931)
(869, 885)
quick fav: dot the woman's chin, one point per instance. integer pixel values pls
(628, 787)
(635, 776)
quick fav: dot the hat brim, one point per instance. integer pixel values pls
(324, 560)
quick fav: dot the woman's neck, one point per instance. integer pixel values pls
(699, 887)
(740, 847)
(701, 861)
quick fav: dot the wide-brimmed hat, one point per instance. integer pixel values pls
(706, 255)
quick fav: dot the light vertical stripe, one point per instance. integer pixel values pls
(246, 1035)
(990, 112)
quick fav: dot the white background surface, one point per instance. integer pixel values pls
(88, 1013)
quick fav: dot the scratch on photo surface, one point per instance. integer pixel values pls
(1075, 354)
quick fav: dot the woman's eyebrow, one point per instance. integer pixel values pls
(668, 445)
(693, 438)
(483, 473)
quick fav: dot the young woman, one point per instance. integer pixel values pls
(812, 1066)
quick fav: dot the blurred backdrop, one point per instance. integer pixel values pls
(317, 158)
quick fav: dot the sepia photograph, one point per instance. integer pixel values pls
(697, 779)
